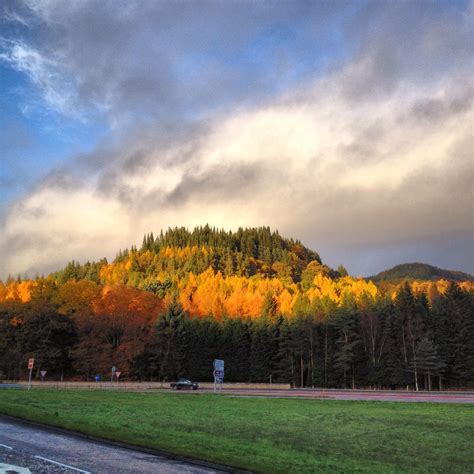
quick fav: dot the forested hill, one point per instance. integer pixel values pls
(178, 251)
(419, 271)
(264, 303)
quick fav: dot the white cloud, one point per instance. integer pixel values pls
(304, 167)
(57, 92)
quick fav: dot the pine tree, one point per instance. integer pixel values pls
(412, 313)
(285, 369)
(235, 341)
(263, 348)
(169, 326)
(347, 340)
(428, 361)
(341, 270)
(453, 331)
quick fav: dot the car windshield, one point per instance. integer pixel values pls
(184, 381)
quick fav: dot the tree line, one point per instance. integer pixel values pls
(78, 329)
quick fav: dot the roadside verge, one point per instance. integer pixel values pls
(119, 444)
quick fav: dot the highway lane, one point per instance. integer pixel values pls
(377, 395)
(44, 451)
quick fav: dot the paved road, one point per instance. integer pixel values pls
(380, 395)
(43, 451)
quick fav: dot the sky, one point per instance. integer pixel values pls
(345, 124)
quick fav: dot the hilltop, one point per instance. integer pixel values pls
(419, 271)
(178, 251)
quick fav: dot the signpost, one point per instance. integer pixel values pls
(218, 374)
(43, 373)
(117, 374)
(113, 373)
(31, 363)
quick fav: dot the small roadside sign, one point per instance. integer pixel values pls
(43, 373)
(117, 373)
(31, 363)
(218, 374)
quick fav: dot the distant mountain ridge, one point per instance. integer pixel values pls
(419, 271)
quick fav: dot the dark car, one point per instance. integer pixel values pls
(183, 384)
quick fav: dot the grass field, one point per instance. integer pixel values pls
(266, 435)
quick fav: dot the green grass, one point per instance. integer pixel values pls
(266, 435)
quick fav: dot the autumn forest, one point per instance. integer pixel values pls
(266, 304)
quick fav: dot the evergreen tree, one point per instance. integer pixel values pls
(285, 368)
(341, 270)
(454, 333)
(346, 342)
(413, 314)
(263, 348)
(235, 342)
(428, 360)
(170, 326)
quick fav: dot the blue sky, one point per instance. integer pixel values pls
(344, 124)
(35, 140)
